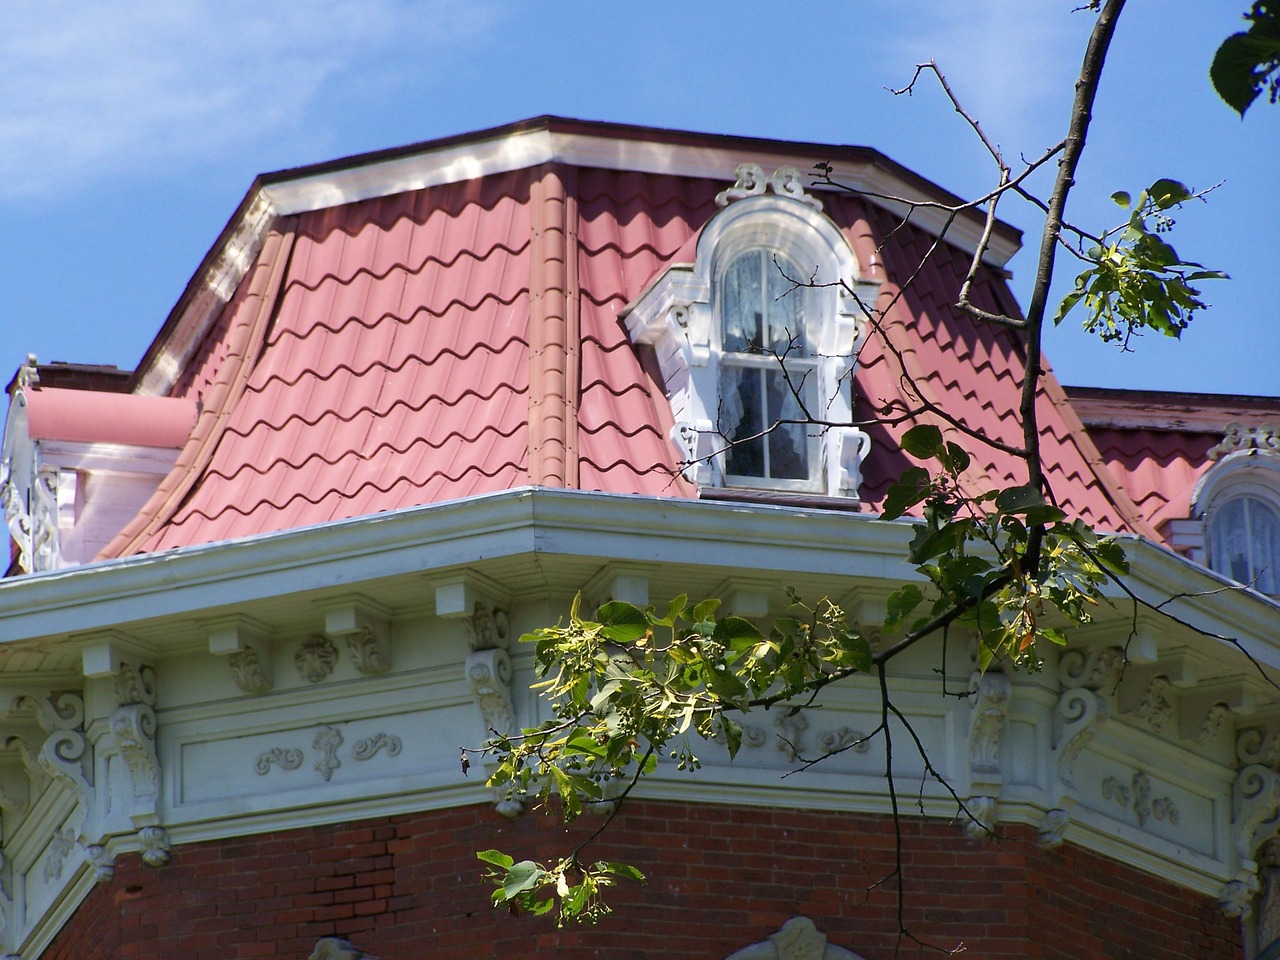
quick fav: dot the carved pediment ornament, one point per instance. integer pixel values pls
(367, 653)
(1264, 437)
(798, 939)
(752, 182)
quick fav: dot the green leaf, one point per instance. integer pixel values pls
(922, 441)
(1166, 193)
(737, 634)
(1247, 63)
(521, 876)
(912, 487)
(1122, 198)
(621, 870)
(622, 622)
(1019, 499)
(496, 857)
(900, 604)
(705, 609)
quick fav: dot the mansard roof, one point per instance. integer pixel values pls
(441, 321)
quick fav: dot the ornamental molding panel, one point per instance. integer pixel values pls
(798, 939)
(487, 628)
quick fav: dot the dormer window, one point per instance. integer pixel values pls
(1238, 502)
(757, 339)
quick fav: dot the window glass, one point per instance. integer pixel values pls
(1245, 542)
(763, 317)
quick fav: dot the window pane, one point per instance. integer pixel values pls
(789, 443)
(1231, 541)
(742, 307)
(1264, 541)
(741, 415)
(786, 307)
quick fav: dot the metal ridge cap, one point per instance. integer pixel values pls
(522, 520)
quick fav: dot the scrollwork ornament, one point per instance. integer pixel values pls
(315, 658)
(1080, 713)
(367, 748)
(489, 673)
(1156, 708)
(1259, 745)
(1256, 801)
(286, 758)
(846, 738)
(1096, 670)
(134, 727)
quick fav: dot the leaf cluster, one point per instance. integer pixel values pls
(633, 685)
(1248, 63)
(1136, 281)
(977, 553)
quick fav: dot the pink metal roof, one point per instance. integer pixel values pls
(98, 417)
(463, 339)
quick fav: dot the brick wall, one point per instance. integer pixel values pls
(720, 877)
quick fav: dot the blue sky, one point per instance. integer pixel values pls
(130, 132)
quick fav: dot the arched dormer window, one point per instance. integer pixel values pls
(1238, 501)
(758, 335)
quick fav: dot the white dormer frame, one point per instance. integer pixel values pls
(678, 314)
(1250, 470)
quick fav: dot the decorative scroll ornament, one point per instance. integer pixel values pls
(1255, 801)
(487, 628)
(1096, 670)
(155, 845)
(1259, 745)
(61, 754)
(315, 658)
(1264, 437)
(1052, 827)
(248, 670)
(751, 182)
(367, 652)
(286, 758)
(1080, 713)
(327, 740)
(1144, 807)
(789, 727)
(846, 738)
(798, 939)
(368, 748)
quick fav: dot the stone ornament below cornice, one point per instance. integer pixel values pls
(798, 939)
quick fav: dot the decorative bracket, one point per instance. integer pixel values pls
(246, 644)
(1080, 713)
(489, 674)
(751, 182)
(366, 630)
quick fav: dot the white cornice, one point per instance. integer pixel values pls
(521, 150)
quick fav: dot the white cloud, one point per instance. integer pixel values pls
(1010, 62)
(93, 87)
